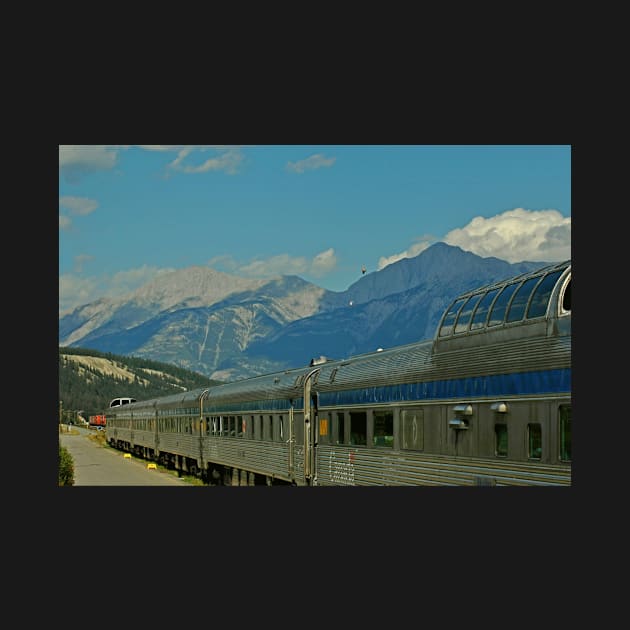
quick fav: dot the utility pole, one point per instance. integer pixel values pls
(60, 414)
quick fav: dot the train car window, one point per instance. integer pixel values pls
(463, 319)
(324, 429)
(413, 429)
(240, 426)
(564, 424)
(497, 314)
(358, 428)
(281, 427)
(534, 441)
(259, 428)
(298, 427)
(520, 300)
(383, 428)
(481, 312)
(540, 298)
(341, 434)
(449, 318)
(269, 428)
(500, 440)
(566, 298)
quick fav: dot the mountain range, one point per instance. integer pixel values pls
(228, 328)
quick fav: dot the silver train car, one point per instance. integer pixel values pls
(486, 402)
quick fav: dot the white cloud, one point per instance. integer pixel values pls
(517, 235)
(324, 262)
(282, 264)
(310, 163)
(75, 161)
(80, 206)
(410, 252)
(228, 161)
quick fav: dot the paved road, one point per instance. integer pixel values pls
(95, 465)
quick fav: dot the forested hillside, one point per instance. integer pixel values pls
(89, 379)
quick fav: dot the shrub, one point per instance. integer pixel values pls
(66, 467)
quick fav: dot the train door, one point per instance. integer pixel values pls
(310, 426)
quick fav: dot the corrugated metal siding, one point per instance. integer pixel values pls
(263, 457)
(180, 444)
(371, 467)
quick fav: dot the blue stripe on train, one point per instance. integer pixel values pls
(496, 385)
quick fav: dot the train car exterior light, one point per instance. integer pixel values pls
(499, 407)
(466, 410)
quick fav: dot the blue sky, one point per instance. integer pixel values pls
(128, 213)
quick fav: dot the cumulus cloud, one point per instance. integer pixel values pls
(324, 262)
(79, 206)
(282, 264)
(227, 161)
(410, 252)
(75, 161)
(311, 163)
(517, 235)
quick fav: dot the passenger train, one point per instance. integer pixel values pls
(486, 402)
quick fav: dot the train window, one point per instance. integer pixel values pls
(534, 441)
(449, 318)
(565, 432)
(383, 428)
(520, 300)
(463, 319)
(281, 427)
(341, 439)
(497, 315)
(500, 440)
(250, 427)
(324, 432)
(481, 313)
(540, 298)
(566, 298)
(240, 426)
(413, 429)
(358, 427)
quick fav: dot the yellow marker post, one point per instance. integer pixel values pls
(127, 455)
(151, 466)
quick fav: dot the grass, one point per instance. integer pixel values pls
(99, 438)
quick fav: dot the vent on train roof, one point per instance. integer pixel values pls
(319, 360)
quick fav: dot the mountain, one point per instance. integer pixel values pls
(89, 379)
(229, 328)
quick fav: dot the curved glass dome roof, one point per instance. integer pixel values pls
(525, 297)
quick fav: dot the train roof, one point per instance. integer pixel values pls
(506, 308)
(522, 299)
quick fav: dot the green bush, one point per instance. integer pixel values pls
(66, 467)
